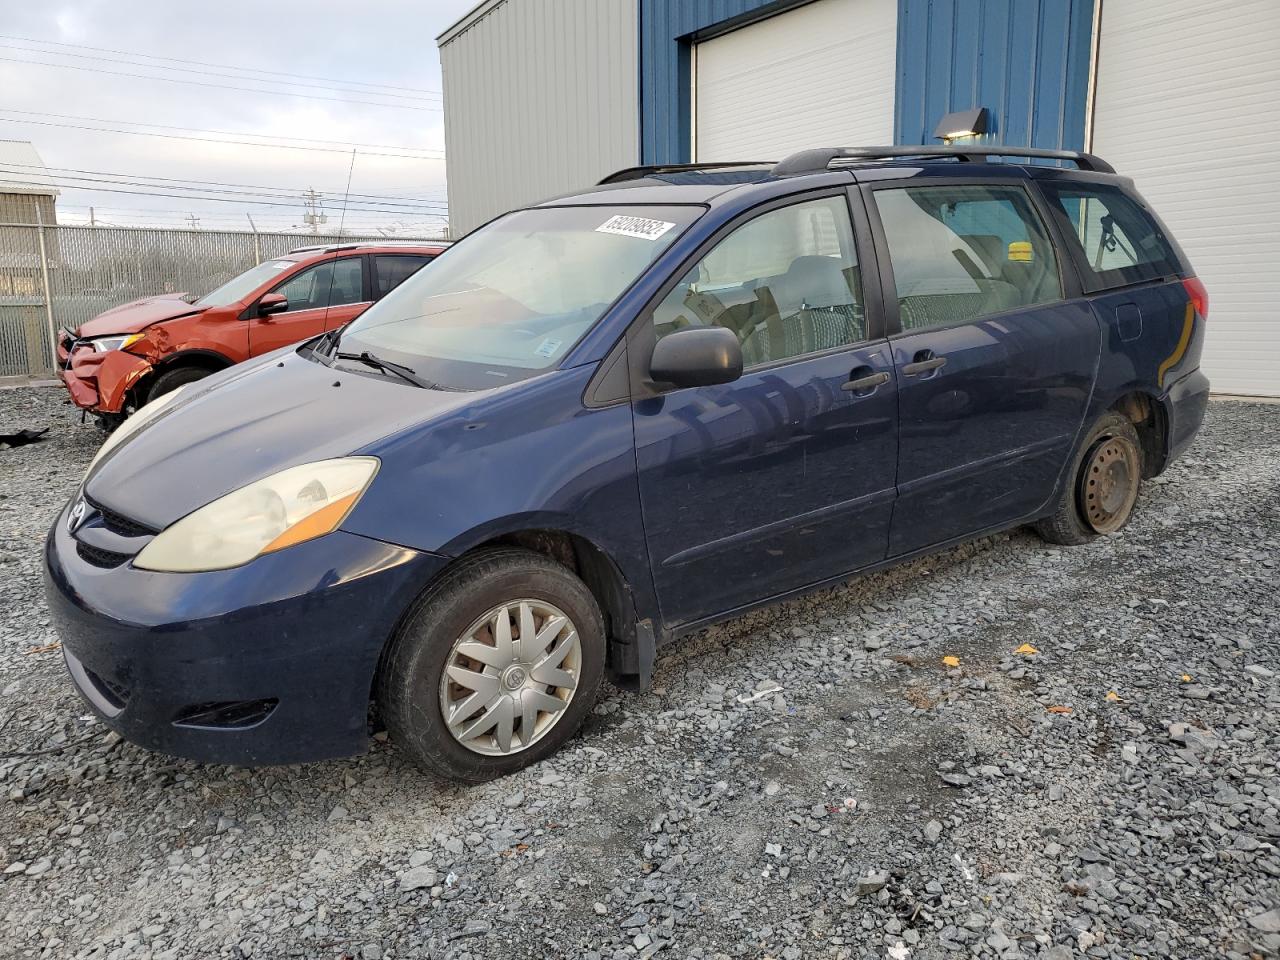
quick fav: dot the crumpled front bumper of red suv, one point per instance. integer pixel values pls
(99, 382)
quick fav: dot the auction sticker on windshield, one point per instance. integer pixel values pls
(640, 227)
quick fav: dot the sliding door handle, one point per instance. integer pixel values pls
(923, 366)
(865, 383)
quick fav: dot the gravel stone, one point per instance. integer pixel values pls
(698, 820)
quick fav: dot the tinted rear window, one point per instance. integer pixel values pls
(1119, 243)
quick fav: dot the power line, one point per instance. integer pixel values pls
(183, 196)
(226, 66)
(271, 191)
(232, 133)
(210, 73)
(218, 86)
(240, 143)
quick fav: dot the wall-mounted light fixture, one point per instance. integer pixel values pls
(963, 123)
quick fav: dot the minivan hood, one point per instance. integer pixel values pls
(137, 315)
(249, 422)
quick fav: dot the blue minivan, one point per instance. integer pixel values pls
(612, 418)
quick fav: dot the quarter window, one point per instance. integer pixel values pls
(1119, 241)
(390, 271)
(786, 283)
(329, 284)
(964, 252)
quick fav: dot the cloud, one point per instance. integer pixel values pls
(389, 42)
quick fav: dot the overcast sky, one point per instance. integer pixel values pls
(352, 44)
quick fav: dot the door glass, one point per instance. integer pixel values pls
(390, 271)
(328, 284)
(786, 283)
(1121, 243)
(964, 252)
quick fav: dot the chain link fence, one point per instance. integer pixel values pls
(61, 276)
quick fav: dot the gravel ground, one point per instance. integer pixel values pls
(813, 780)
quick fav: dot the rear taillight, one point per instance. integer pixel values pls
(1199, 296)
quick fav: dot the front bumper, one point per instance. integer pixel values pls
(99, 382)
(267, 663)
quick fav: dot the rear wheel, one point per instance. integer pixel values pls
(495, 668)
(174, 378)
(1104, 487)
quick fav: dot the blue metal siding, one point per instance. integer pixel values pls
(1025, 60)
(667, 28)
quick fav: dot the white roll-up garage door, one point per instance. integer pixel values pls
(817, 76)
(1188, 104)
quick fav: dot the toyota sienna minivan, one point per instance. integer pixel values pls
(612, 418)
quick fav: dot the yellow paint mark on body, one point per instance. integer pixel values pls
(1184, 341)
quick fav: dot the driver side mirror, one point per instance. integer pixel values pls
(697, 357)
(272, 303)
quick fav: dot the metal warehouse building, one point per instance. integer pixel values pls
(545, 96)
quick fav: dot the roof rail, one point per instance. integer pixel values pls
(331, 247)
(813, 161)
(637, 173)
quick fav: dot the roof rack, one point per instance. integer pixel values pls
(816, 160)
(637, 173)
(331, 247)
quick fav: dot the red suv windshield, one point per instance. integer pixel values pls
(233, 291)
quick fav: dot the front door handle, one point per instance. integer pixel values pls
(923, 366)
(865, 383)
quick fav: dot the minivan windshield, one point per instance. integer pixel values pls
(511, 299)
(233, 291)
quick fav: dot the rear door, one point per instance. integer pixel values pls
(784, 477)
(995, 362)
(320, 297)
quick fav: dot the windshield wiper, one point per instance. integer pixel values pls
(400, 370)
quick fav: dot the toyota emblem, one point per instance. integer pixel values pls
(76, 517)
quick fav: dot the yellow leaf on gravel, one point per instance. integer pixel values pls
(1113, 696)
(56, 645)
(1186, 678)
(951, 661)
(1027, 650)
(1058, 709)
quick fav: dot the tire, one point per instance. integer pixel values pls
(1110, 456)
(173, 379)
(411, 692)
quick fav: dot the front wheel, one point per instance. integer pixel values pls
(1103, 489)
(495, 668)
(171, 380)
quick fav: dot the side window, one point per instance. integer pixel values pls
(390, 271)
(328, 284)
(964, 252)
(786, 283)
(1119, 241)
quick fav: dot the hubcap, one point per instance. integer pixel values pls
(510, 676)
(1109, 484)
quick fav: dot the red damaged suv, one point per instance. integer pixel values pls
(133, 353)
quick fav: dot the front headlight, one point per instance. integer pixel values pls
(288, 507)
(141, 417)
(107, 344)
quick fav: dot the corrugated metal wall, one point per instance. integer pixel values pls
(665, 81)
(541, 97)
(1025, 60)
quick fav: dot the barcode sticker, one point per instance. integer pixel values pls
(640, 227)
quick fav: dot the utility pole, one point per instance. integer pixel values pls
(314, 215)
(257, 243)
(92, 221)
(194, 221)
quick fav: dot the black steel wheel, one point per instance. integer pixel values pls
(1106, 475)
(1108, 483)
